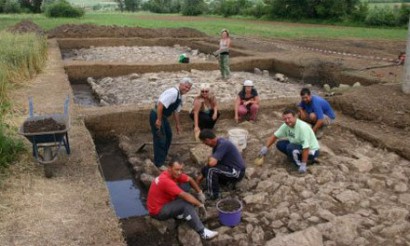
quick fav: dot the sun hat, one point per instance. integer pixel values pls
(225, 30)
(248, 83)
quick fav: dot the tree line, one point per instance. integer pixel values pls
(347, 11)
(329, 11)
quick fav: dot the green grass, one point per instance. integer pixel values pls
(382, 5)
(21, 56)
(243, 27)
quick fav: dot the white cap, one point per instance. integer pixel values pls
(248, 83)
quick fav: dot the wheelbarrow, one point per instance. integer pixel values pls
(46, 138)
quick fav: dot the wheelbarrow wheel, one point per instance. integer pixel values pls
(48, 155)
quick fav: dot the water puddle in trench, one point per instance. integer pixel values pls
(128, 199)
(125, 194)
(83, 95)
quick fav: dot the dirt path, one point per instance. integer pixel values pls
(72, 208)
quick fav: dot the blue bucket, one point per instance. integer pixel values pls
(229, 218)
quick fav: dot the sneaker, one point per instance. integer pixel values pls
(208, 234)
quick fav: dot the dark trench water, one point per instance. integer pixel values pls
(126, 197)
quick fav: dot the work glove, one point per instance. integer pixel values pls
(202, 211)
(263, 151)
(302, 168)
(201, 197)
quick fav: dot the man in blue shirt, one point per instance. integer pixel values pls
(316, 111)
(224, 166)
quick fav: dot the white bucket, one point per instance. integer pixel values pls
(238, 137)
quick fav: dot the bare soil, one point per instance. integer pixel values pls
(45, 125)
(73, 208)
(229, 205)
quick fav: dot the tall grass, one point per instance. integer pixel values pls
(21, 57)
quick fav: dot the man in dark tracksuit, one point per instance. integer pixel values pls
(225, 165)
(169, 102)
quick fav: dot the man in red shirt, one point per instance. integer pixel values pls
(167, 200)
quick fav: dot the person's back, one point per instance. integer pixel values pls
(228, 154)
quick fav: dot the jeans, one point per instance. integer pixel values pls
(294, 152)
(161, 138)
(180, 209)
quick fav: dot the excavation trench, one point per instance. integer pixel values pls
(354, 180)
(353, 176)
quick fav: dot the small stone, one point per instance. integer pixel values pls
(400, 187)
(357, 84)
(257, 71)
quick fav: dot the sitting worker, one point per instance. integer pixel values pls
(247, 102)
(316, 111)
(225, 165)
(205, 112)
(301, 144)
(166, 199)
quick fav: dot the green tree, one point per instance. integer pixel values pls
(132, 5)
(31, 5)
(193, 7)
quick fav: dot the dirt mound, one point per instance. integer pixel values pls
(26, 26)
(385, 104)
(94, 31)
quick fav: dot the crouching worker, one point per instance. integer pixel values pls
(225, 165)
(301, 144)
(167, 200)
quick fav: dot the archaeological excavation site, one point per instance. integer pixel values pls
(356, 194)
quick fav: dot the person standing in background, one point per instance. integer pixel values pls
(223, 52)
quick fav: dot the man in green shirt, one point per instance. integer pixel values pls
(301, 144)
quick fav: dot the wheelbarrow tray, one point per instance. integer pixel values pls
(48, 136)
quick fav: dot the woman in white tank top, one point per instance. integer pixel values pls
(224, 45)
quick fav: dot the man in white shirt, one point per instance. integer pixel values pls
(169, 102)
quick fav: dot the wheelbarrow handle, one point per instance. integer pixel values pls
(66, 104)
(30, 107)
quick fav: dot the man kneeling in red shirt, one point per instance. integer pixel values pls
(167, 200)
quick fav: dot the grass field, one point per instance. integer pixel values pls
(390, 5)
(211, 26)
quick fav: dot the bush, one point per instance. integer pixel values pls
(360, 12)
(10, 147)
(62, 8)
(404, 12)
(193, 7)
(11, 6)
(229, 8)
(381, 17)
(258, 10)
(163, 6)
